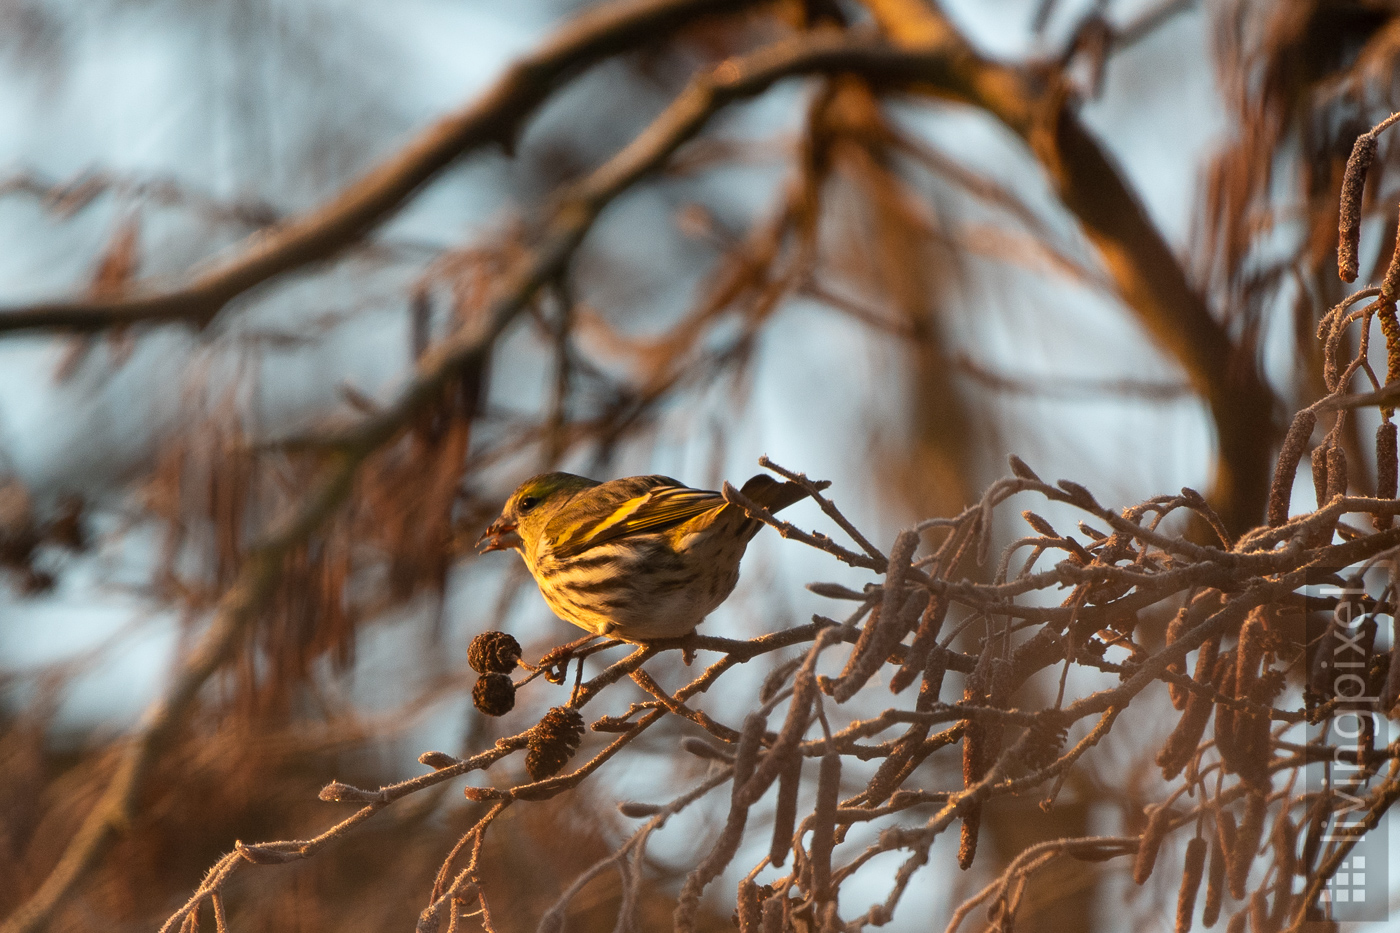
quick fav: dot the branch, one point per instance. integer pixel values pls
(494, 117)
(1150, 279)
(579, 206)
(1384, 397)
(445, 768)
(461, 353)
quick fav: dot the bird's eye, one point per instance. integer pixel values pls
(528, 503)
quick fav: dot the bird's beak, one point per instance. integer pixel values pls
(499, 536)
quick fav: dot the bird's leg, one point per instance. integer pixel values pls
(555, 664)
(559, 658)
(550, 665)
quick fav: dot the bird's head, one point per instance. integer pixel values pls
(529, 509)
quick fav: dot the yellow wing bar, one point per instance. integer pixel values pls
(660, 509)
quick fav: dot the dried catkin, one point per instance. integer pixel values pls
(861, 649)
(1363, 153)
(750, 909)
(967, 837)
(824, 825)
(785, 812)
(925, 642)
(1150, 842)
(1229, 841)
(1225, 715)
(1251, 729)
(1390, 327)
(1215, 884)
(889, 622)
(1181, 745)
(1285, 849)
(1206, 656)
(746, 755)
(804, 690)
(1320, 668)
(895, 768)
(1319, 475)
(932, 685)
(1387, 469)
(1390, 284)
(1190, 884)
(977, 739)
(1175, 629)
(1246, 843)
(724, 848)
(1254, 637)
(1337, 481)
(1294, 443)
(1255, 748)
(775, 913)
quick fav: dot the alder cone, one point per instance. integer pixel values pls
(494, 694)
(493, 653)
(553, 741)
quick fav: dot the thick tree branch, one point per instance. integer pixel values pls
(494, 117)
(1149, 277)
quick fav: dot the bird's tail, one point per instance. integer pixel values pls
(773, 495)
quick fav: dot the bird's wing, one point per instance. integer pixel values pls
(634, 505)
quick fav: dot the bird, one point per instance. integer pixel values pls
(638, 558)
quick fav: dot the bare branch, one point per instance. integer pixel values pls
(494, 117)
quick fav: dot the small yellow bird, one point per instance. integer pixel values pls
(638, 558)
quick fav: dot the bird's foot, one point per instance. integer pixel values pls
(555, 664)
